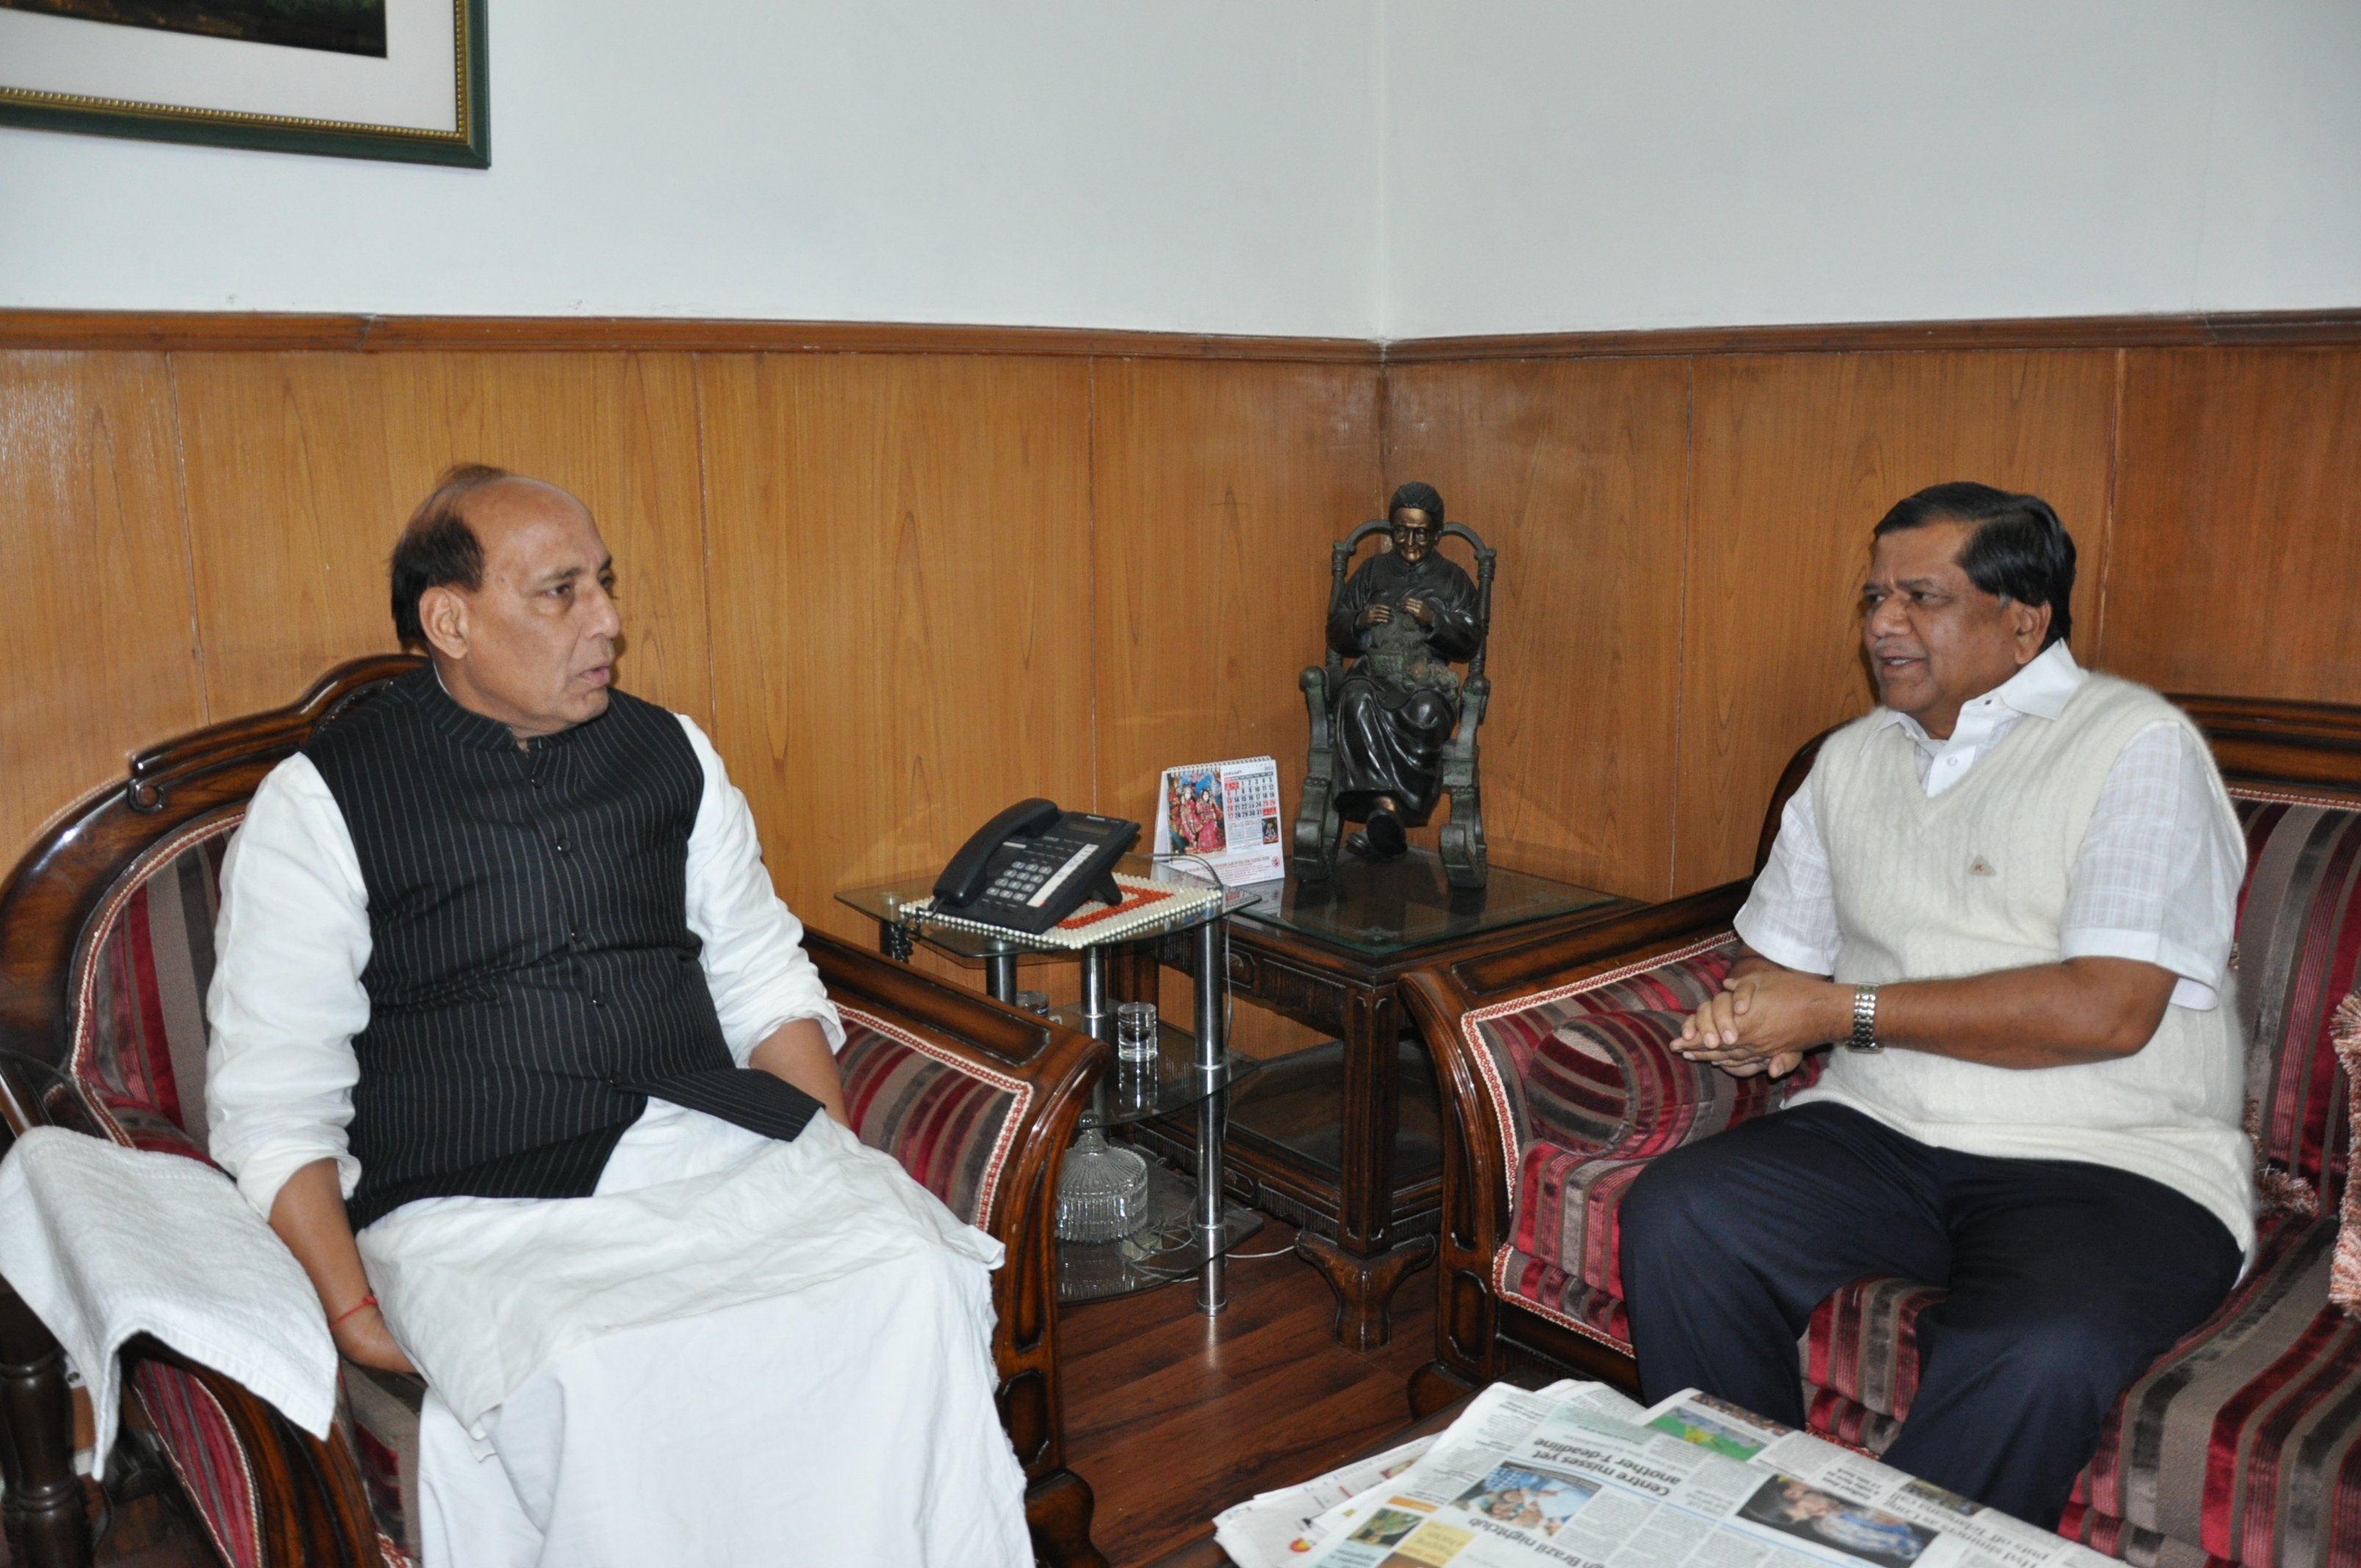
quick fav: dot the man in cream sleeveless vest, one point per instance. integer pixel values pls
(2006, 898)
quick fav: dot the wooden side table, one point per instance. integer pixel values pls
(1320, 1134)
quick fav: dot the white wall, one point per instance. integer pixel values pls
(1208, 167)
(1560, 165)
(1363, 167)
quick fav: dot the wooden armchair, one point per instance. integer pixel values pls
(1559, 1083)
(105, 948)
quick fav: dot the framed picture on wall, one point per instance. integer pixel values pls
(392, 79)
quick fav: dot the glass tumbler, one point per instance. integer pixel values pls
(1134, 1034)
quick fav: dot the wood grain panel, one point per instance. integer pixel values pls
(1217, 489)
(1576, 472)
(1796, 459)
(2237, 556)
(302, 468)
(97, 639)
(900, 604)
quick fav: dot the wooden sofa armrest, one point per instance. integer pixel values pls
(1500, 973)
(47, 1524)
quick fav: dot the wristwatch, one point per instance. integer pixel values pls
(1864, 1019)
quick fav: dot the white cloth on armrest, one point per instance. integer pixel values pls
(103, 1242)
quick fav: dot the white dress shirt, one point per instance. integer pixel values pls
(2156, 879)
(293, 939)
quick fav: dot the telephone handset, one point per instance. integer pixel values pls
(1033, 865)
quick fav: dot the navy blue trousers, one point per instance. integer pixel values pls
(2067, 1280)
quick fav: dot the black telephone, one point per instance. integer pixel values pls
(1033, 865)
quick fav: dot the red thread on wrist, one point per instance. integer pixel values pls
(349, 1312)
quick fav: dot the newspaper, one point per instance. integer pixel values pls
(1276, 1528)
(1575, 1473)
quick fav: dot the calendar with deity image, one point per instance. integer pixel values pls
(1224, 818)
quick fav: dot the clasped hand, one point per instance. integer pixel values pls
(1418, 610)
(1761, 1022)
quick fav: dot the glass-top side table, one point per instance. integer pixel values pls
(1340, 1130)
(1193, 1069)
(1392, 909)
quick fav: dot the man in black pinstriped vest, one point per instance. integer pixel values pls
(525, 670)
(502, 932)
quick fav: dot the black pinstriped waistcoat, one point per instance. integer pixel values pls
(532, 978)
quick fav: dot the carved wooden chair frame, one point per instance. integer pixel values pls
(313, 1508)
(1320, 823)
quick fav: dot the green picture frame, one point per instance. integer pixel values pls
(468, 146)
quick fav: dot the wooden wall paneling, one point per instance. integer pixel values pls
(96, 637)
(302, 468)
(900, 604)
(1575, 470)
(1217, 489)
(1796, 459)
(2238, 553)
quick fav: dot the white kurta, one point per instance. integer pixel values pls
(736, 1351)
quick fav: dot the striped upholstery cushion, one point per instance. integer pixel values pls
(1508, 1037)
(1608, 1092)
(1854, 1354)
(1562, 1297)
(2241, 1442)
(1587, 1083)
(140, 980)
(947, 1121)
(2296, 956)
(214, 1470)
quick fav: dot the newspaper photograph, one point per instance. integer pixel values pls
(1815, 1463)
(1578, 1475)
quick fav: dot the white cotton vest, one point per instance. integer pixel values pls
(1977, 879)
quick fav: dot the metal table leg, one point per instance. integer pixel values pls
(1000, 977)
(1212, 1112)
(1098, 1013)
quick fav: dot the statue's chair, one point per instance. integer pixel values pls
(1320, 823)
(106, 951)
(2242, 1444)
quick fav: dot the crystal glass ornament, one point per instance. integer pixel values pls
(1102, 1191)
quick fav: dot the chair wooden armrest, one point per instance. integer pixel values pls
(47, 1527)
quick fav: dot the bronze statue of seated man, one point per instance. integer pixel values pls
(1403, 616)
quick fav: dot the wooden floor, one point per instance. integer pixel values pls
(1170, 1416)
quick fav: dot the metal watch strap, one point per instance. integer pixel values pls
(1864, 1019)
